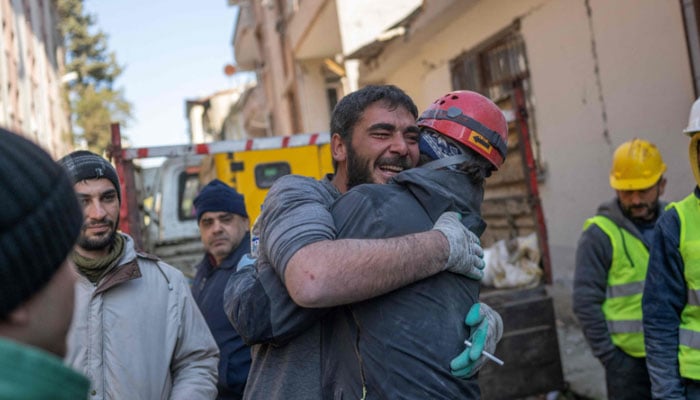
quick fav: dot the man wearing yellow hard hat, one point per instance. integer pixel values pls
(611, 264)
(671, 302)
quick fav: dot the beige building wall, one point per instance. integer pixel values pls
(644, 89)
(361, 21)
(31, 66)
(314, 109)
(637, 83)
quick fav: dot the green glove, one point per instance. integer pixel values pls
(486, 327)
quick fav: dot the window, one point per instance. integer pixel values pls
(267, 174)
(494, 69)
(188, 188)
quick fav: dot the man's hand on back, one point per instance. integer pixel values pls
(466, 255)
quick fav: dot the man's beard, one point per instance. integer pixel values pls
(360, 172)
(101, 242)
(358, 169)
(650, 215)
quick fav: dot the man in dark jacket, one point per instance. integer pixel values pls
(399, 345)
(223, 225)
(670, 304)
(611, 265)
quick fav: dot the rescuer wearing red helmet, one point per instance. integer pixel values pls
(671, 305)
(454, 115)
(303, 263)
(611, 266)
(399, 345)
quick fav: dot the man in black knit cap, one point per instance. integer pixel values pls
(137, 332)
(39, 222)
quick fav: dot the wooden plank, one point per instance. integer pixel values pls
(506, 206)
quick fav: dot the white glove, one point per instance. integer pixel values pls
(466, 255)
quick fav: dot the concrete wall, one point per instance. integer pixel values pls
(643, 88)
(361, 21)
(313, 104)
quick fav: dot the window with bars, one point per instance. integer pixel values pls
(493, 69)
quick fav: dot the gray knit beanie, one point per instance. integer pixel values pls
(82, 165)
(40, 219)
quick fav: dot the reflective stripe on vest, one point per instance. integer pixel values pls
(623, 304)
(694, 297)
(689, 334)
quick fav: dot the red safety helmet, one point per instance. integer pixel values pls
(472, 120)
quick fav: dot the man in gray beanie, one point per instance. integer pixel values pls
(223, 226)
(82, 165)
(39, 221)
(137, 332)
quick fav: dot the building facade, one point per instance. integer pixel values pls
(31, 69)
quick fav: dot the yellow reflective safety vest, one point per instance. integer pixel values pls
(623, 297)
(688, 211)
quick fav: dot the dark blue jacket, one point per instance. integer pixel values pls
(665, 295)
(399, 345)
(208, 291)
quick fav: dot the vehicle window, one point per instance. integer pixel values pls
(267, 174)
(188, 187)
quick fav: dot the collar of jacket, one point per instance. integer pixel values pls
(118, 275)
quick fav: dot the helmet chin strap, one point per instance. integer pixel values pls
(693, 153)
(446, 162)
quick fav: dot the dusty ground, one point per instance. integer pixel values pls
(582, 371)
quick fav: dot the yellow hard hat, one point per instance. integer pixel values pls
(637, 165)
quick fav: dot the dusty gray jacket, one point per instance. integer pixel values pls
(287, 341)
(399, 345)
(139, 335)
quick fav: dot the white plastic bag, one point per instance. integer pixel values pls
(513, 264)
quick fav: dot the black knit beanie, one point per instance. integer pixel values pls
(82, 165)
(40, 219)
(217, 196)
